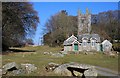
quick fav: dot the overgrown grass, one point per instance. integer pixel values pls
(40, 60)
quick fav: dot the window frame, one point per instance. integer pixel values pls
(93, 43)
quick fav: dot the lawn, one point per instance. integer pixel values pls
(40, 60)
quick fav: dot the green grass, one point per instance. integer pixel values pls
(40, 60)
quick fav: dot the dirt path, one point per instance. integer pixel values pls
(106, 72)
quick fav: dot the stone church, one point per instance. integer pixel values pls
(85, 41)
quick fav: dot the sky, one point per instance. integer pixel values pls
(72, 0)
(47, 9)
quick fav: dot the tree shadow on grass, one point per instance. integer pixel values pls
(16, 51)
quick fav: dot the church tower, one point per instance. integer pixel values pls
(84, 22)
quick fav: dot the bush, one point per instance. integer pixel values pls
(116, 47)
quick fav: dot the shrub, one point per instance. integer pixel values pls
(116, 47)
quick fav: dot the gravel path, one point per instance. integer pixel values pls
(106, 72)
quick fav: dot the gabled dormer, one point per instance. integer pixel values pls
(70, 40)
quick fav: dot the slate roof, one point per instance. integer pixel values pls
(106, 42)
(70, 40)
(89, 36)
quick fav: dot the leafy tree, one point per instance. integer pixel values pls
(19, 20)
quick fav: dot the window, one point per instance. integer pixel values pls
(106, 45)
(93, 43)
(84, 43)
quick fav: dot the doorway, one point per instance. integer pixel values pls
(76, 47)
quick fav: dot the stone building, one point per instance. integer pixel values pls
(106, 45)
(85, 41)
(84, 22)
(89, 42)
(71, 44)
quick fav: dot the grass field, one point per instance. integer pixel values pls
(40, 60)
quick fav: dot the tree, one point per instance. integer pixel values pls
(19, 20)
(59, 27)
(29, 41)
(107, 25)
(1, 25)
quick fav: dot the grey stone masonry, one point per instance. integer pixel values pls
(84, 22)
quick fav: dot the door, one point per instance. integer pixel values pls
(76, 47)
(101, 47)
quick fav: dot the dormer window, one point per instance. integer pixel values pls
(93, 43)
(84, 42)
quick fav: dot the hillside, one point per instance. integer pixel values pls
(40, 59)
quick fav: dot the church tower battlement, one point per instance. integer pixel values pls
(84, 22)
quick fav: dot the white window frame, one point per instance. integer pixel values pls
(93, 43)
(84, 43)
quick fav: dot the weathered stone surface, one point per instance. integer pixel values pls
(50, 53)
(77, 73)
(51, 66)
(88, 70)
(91, 73)
(57, 55)
(54, 64)
(54, 54)
(15, 69)
(0, 72)
(10, 66)
(64, 52)
(4, 72)
(29, 67)
(19, 71)
(112, 55)
(46, 53)
(62, 70)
